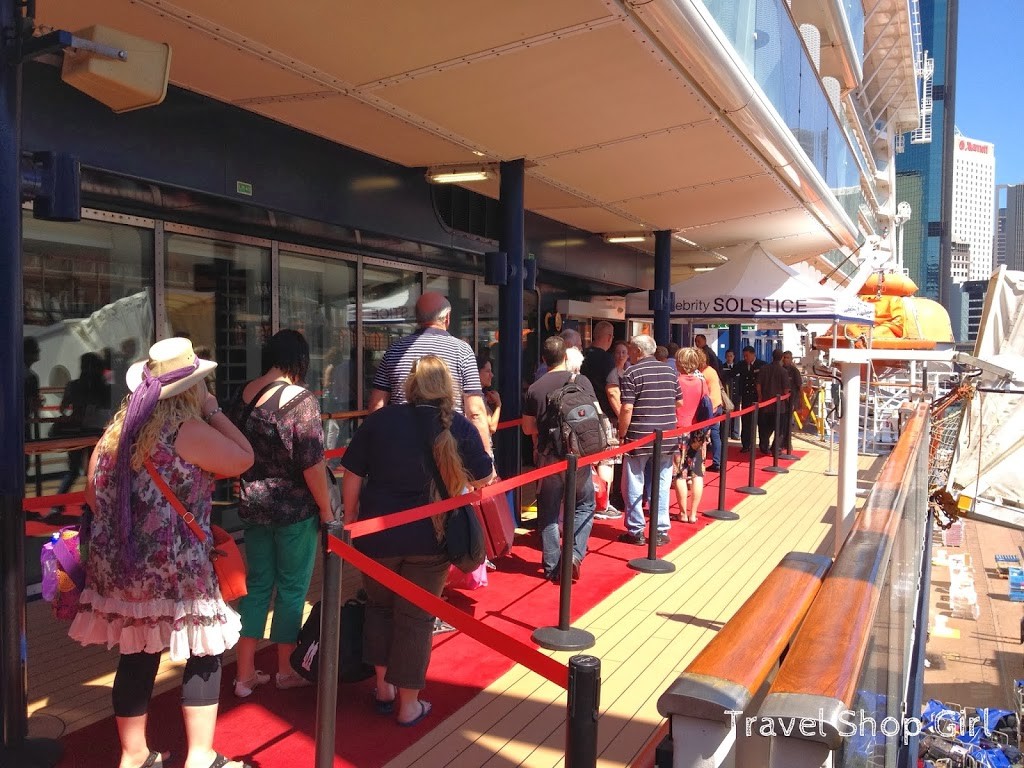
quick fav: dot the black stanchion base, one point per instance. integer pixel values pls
(751, 490)
(787, 457)
(555, 639)
(32, 753)
(721, 514)
(775, 470)
(646, 565)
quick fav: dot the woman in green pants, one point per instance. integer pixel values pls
(284, 499)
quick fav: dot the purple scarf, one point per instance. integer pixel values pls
(140, 407)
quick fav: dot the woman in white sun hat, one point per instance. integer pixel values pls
(150, 585)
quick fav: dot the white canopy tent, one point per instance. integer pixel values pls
(755, 286)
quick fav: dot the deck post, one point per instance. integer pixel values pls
(846, 501)
(330, 642)
(583, 709)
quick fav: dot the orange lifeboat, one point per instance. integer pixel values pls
(902, 321)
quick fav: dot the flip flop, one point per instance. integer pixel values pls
(220, 761)
(383, 707)
(425, 708)
(155, 759)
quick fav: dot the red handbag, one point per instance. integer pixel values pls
(227, 559)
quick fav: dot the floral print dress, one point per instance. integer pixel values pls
(164, 595)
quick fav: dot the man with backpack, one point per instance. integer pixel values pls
(561, 414)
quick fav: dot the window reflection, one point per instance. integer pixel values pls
(318, 298)
(459, 292)
(218, 295)
(88, 313)
(389, 307)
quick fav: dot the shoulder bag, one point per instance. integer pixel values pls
(226, 556)
(463, 534)
(333, 486)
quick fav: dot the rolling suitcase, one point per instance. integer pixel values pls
(498, 524)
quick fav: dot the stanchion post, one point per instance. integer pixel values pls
(777, 441)
(330, 642)
(722, 512)
(751, 488)
(651, 563)
(565, 637)
(583, 708)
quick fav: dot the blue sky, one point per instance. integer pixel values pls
(990, 64)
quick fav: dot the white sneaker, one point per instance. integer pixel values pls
(244, 688)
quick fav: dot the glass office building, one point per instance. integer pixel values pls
(924, 170)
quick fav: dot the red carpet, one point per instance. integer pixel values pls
(276, 728)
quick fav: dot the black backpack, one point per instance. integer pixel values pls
(573, 422)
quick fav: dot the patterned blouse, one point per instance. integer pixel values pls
(166, 595)
(287, 440)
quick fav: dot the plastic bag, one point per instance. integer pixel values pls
(473, 580)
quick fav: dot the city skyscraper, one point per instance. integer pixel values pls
(999, 255)
(1015, 227)
(974, 189)
(924, 171)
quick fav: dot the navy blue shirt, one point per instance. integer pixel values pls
(389, 451)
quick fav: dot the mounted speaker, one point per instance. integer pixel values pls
(138, 81)
(54, 186)
(496, 268)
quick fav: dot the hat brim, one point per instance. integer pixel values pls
(134, 378)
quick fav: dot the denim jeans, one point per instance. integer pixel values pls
(716, 438)
(550, 495)
(633, 468)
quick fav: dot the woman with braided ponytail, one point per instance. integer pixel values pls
(393, 451)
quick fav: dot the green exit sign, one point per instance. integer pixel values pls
(243, 188)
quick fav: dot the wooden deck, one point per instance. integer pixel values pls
(647, 632)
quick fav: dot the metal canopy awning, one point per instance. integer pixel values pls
(615, 134)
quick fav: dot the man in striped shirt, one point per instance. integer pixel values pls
(650, 391)
(433, 313)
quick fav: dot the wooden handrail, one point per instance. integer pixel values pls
(819, 677)
(736, 663)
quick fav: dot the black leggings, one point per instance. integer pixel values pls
(136, 674)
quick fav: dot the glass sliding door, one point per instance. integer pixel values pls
(318, 298)
(218, 295)
(389, 312)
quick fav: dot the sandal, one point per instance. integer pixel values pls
(384, 707)
(244, 688)
(155, 759)
(425, 707)
(220, 761)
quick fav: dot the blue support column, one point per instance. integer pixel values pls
(510, 316)
(13, 680)
(735, 339)
(662, 284)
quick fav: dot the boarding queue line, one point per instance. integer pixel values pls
(581, 676)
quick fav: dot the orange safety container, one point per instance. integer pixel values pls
(888, 284)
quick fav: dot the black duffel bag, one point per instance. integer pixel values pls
(305, 659)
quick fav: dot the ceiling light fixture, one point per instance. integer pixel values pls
(459, 175)
(625, 238)
(684, 241)
(703, 269)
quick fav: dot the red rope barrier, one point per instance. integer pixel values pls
(510, 423)
(517, 651)
(36, 503)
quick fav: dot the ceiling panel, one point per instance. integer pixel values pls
(360, 42)
(590, 218)
(198, 62)
(659, 162)
(579, 91)
(348, 121)
(536, 193)
(703, 205)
